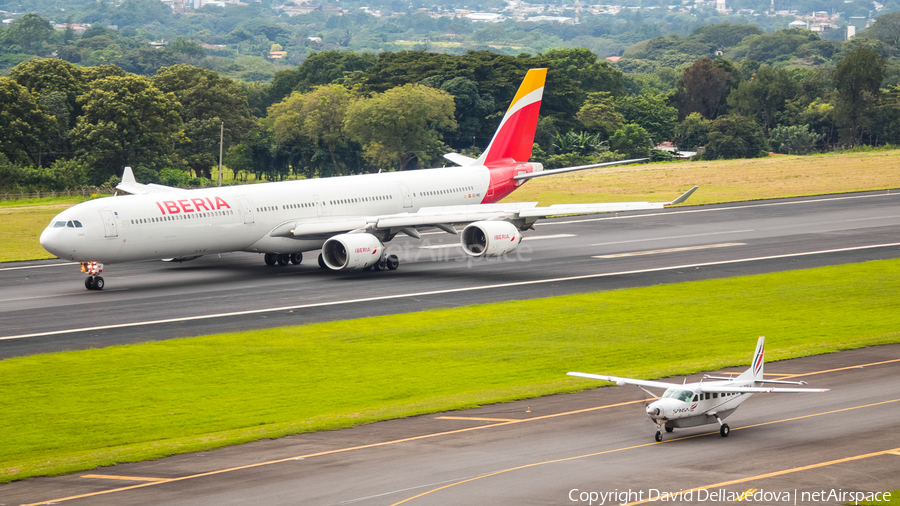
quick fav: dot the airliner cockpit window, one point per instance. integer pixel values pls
(59, 224)
(77, 223)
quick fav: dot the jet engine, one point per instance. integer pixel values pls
(490, 238)
(346, 252)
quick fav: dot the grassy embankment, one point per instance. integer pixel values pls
(720, 181)
(71, 411)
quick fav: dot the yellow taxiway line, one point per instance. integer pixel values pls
(446, 433)
(742, 480)
(124, 478)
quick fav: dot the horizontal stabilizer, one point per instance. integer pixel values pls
(130, 185)
(551, 172)
(459, 159)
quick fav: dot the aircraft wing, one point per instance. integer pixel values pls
(515, 210)
(757, 390)
(625, 381)
(130, 185)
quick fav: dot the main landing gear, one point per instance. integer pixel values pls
(724, 429)
(388, 263)
(282, 259)
(93, 281)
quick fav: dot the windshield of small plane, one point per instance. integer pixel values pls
(681, 395)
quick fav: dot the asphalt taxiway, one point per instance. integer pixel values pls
(44, 306)
(547, 451)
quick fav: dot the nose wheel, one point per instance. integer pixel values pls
(658, 436)
(94, 283)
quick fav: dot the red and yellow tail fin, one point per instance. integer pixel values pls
(515, 136)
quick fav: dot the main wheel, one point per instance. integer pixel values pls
(392, 262)
(98, 283)
(284, 259)
(669, 429)
(724, 430)
(658, 436)
(271, 259)
(322, 262)
(89, 282)
(296, 258)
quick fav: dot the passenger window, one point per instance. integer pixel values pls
(715, 395)
(707, 395)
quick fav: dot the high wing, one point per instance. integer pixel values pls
(755, 390)
(445, 217)
(129, 184)
(625, 381)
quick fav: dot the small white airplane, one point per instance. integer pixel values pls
(349, 218)
(700, 403)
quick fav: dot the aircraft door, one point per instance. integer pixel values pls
(247, 207)
(318, 206)
(109, 223)
(407, 197)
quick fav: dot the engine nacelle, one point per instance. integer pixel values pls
(490, 238)
(346, 252)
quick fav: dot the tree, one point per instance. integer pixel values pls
(794, 140)
(705, 86)
(764, 96)
(652, 112)
(693, 132)
(599, 114)
(48, 76)
(735, 137)
(472, 108)
(126, 121)
(207, 101)
(401, 125)
(320, 68)
(308, 122)
(632, 141)
(24, 128)
(31, 32)
(886, 28)
(857, 80)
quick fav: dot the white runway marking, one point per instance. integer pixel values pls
(669, 213)
(672, 237)
(671, 250)
(36, 266)
(539, 237)
(532, 238)
(439, 292)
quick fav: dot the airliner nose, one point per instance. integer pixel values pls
(50, 240)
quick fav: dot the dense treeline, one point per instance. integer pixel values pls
(64, 125)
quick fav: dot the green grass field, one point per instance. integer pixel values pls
(71, 411)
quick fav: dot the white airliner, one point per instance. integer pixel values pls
(692, 404)
(349, 218)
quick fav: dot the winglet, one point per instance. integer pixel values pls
(683, 197)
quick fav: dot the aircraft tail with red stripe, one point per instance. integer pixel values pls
(514, 137)
(755, 372)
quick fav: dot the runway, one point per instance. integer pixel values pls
(595, 441)
(44, 306)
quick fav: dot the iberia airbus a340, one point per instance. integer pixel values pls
(349, 218)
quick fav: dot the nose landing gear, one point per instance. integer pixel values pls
(93, 281)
